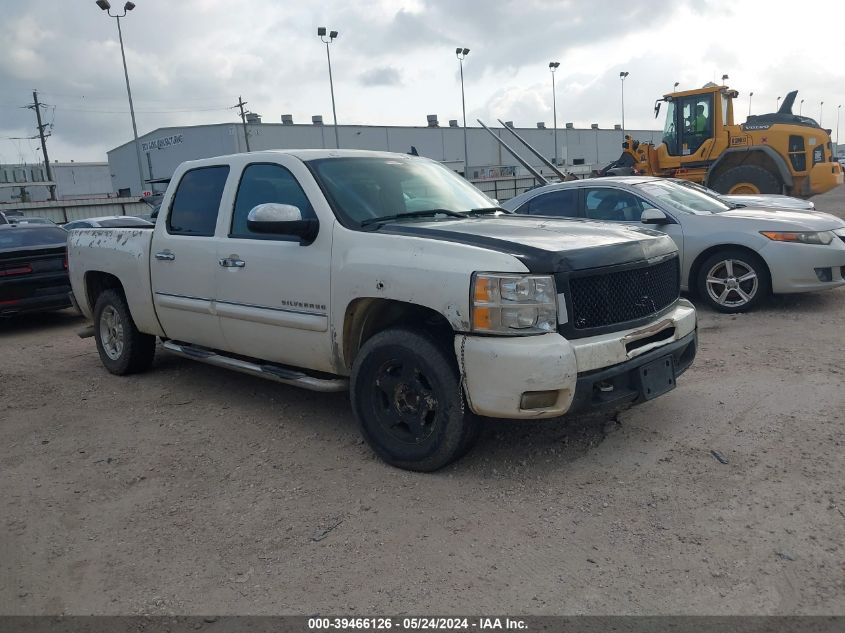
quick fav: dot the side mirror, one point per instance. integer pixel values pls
(654, 216)
(282, 219)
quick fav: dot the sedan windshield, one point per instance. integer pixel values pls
(363, 189)
(680, 198)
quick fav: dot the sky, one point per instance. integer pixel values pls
(394, 62)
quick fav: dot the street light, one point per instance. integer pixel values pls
(461, 54)
(838, 108)
(777, 103)
(821, 110)
(801, 107)
(622, 76)
(553, 66)
(750, 94)
(724, 79)
(675, 87)
(321, 33)
(105, 6)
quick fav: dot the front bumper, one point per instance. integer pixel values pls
(793, 266)
(498, 371)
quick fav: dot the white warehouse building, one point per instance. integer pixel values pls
(579, 150)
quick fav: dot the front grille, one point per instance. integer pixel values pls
(610, 298)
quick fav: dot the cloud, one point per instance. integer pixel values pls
(189, 61)
(384, 76)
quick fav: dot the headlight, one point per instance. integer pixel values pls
(513, 304)
(820, 237)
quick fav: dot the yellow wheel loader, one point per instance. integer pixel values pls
(779, 152)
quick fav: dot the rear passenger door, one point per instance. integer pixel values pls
(183, 261)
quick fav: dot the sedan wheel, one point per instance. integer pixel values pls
(733, 281)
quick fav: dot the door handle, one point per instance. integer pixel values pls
(165, 256)
(231, 262)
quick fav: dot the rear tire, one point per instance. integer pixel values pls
(407, 397)
(733, 280)
(122, 348)
(747, 179)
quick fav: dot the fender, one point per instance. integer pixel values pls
(783, 170)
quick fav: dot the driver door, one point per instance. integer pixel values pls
(610, 204)
(273, 292)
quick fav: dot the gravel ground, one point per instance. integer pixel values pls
(191, 489)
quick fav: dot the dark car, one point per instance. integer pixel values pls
(111, 221)
(33, 269)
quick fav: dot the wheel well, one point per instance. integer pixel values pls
(696, 265)
(96, 282)
(757, 158)
(369, 316)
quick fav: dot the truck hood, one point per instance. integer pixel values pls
(786, 219)
(546, 245)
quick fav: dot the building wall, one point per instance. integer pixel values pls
(73, 181)
(165, 148)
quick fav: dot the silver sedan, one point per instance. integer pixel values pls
(731, 258)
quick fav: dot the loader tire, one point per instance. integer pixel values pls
(747, 179)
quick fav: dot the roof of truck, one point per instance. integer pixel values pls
(309, 154)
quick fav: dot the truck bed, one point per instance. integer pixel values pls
(94, 255)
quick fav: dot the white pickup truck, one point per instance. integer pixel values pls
(390, 276)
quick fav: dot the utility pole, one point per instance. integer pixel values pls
(37, 107)
(240, 104)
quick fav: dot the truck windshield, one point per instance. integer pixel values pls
(363, 189)
(680, 198)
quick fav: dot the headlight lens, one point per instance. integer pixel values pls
(513, 304)
(820, 237)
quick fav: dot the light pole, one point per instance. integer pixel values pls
(777, 103)
(321, 33)
(622, 76)
(675, 87)
(461, 54)
(553, 66)
(801, 107)
(724, 79)
(750, 94)
(105, 6)
(838, 108)
(821, 110)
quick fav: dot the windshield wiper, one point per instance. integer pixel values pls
(487, 211)
(413, 214)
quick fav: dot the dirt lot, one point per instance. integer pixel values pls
(191, 489)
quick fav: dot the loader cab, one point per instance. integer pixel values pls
(695, 122)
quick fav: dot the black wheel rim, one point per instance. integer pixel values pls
(403, 401)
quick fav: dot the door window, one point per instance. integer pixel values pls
(697, 114)
(262, 183)
(614, 205)
(561, 204)
(197, 201)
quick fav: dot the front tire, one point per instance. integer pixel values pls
(122, 347)
(747, 180)
(407, 397)
(733, 280)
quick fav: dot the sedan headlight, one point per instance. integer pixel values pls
(819, 237)
(513, 304)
